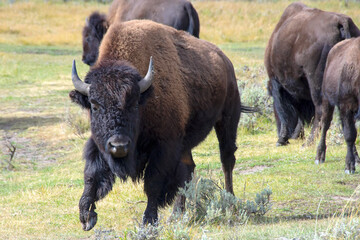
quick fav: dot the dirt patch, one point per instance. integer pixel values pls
(346, 199)
(251, 170)
(28, 153)
(23, 123)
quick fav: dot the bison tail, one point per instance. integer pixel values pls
(194, 22)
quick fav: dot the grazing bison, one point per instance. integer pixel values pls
(145, 128)
(295, 60)
(341, 88)
(179, 14)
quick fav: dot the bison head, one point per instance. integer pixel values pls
(95, 28)
(113, 91)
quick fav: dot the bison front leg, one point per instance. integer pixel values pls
(186, 169)
(98, 181)
(161, 179)
(154, 182)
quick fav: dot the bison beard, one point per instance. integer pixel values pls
(161, 119)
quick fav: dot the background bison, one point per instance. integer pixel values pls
(148, 132)
(340, 88)
(179, 14)
(295, 60)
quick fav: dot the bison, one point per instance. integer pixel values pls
(295, 59)
(179, 14)
(145, 128)
(341, 88)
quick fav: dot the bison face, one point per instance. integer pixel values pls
(93, 32)
(114, 96)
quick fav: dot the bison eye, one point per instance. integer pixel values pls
(88, 39)
(94, 105)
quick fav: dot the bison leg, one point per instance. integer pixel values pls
(347, 118)
(285, 112)
(315, 82)
(328, 111)
(160, 180)
(299, 130)
(187, 162)
(226, 130)
(315, 128)
(98, 181)
(357, 159)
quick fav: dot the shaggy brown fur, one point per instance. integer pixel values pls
(194, 89)
(190, 61)
(341, 88)
(295, 60)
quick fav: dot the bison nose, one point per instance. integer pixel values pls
(88, 60)
(118, 146)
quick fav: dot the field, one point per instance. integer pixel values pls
(41, 183)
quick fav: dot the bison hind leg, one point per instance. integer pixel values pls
(226, 130)
(285, 112)
(326, 119)
(347, 118)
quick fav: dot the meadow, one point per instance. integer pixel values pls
(42, 134)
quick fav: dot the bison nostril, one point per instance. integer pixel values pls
(118, 146)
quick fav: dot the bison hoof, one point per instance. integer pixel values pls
(90, 221)
(282, 143)
(317, 162)
(349, 171)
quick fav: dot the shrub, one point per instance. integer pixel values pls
(176, 230)
(77, 121)
(207, 203)
(254, 93)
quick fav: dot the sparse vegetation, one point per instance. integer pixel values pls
(39, 196)
(77, 122)
(7, 163)
(208, 203)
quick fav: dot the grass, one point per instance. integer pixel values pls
(39, 198)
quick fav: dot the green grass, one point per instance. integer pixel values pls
(39, 198)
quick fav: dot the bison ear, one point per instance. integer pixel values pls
(80, 99)
(102, 26)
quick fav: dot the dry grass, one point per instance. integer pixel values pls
(41, 23)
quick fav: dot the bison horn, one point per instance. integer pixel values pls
(79, 85)
(146, 82)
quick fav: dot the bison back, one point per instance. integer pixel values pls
(192, 76)
(341, 82)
